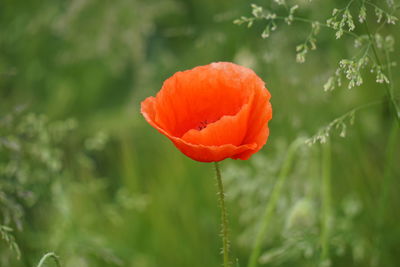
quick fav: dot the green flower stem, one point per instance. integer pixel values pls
(224, 218)
(276, 192)
(49, 255)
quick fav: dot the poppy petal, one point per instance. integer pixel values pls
(258, 131)
(212, 112)
(197, 152)
(205, 93)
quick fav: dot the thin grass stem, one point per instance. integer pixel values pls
(326, 201)
(388, 87)
(47, 256)
(269, 208)
(387, 174)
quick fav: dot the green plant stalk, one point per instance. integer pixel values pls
(326, 200)
(389, 67)
(387, 174)
(386, 185)
(390, 151)
(389, 88)
(224, 217)
(49, 255)
(269, 208)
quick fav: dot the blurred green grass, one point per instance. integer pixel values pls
(143, 203)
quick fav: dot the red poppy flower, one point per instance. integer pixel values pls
(212, 112)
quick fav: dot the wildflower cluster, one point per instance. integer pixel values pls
(342, 18)
(342, 21)
(370, 47)
(259, 13)
(351, 69)
(309, 43)
(381, 15)
(7, 235)
(370, 56)
(295, 230)
(366, 43)
(33, 157)
(339, 124)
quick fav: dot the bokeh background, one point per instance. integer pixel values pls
(82, 174)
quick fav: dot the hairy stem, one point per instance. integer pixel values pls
(224, 217)
(269, 208)
(49, 255)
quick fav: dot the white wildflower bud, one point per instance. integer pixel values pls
(329, 85)
(379, 14)
(265, 34)
(240, 21)
(293, 9)
(381, 78)
(339, 33)
(312, 42)
(300, 57)
(343, 63)
(299, 47)
(289, 19)
(302, 51)
(339, 81)
(362, 16)
(391, 19)
(273, 26)
(343, 130)
(315, 27)
(257, 11)
(270, 16)
(351, 84)
(280, 2)
(349, 20)
(335, 11)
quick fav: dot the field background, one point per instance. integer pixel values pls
(82, 174)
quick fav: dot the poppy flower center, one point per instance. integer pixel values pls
(202, 125)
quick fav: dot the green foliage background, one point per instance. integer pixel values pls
(82, 174)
